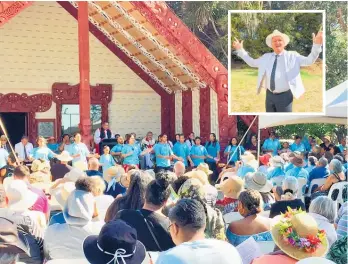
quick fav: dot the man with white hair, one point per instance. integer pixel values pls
(280, 69)
(93, 168)
(179, 168)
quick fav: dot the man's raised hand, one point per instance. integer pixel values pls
(318, 39)
(237, 44)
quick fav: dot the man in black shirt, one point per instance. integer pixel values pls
(151, 225)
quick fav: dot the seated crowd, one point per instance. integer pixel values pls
(180, 205)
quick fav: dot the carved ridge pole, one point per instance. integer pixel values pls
(85, 93)
(227, 123)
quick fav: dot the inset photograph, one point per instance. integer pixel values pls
(276, 62)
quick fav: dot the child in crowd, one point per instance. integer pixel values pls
(106, 160)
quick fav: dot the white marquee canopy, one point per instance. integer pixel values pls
(336, 111)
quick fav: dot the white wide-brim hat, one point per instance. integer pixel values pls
(257, 181)
(20, 198)
(64, 156)
(277, 33)
(62, 193)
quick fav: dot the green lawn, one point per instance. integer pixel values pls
(245, 99)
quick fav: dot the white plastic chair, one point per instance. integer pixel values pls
(340, 186)
(266, 246)
(278, 181)
(231, 217)
(318, 182)
(301, 183)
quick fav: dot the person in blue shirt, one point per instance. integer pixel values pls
(297, 171)
(52, 144)
(182, 150)
(213, 149)
(247, 164)
(233, 151)
(298, 145)
(116, 150)
(164, 154)
(343, 145)
(42, 151)
(277, 167)
(271, 144)
(320, 171)
(106, 160)
(312, 162)
(131, 151)
(198, 153)
(79, 151)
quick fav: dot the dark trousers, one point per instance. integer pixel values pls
(281, 102)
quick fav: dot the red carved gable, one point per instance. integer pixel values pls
(9, 9)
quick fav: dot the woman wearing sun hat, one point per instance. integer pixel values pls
(231, 188)
(277, 167)
(298, 170)
(297, 235)
(247, 164)
(258, 181)
(39, 172)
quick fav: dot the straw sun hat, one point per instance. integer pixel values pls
(204, 167)
(277, 33)
(64, 156)
(297, 235)
(231, 187)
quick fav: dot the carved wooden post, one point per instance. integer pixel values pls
(84, 96)
(227, 123)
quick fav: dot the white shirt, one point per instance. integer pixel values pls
(3, 157)
(206, 251)
(280, 78)
(323, 223)
(19, 149)
(97, 138)
(65, 241)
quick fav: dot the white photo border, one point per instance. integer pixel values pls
(323, 12)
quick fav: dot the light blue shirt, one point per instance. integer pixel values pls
(212, 150)
(243, 170)
(53, 147)
(42, 153)
(134, 158)
(162, 149)
(117, 148)
(272, 144)
(300, 147)
(309, 168)
(342, 148)
(181, 150)
(289, 166)
(205, 251)
(3, 157)
(107, 161)
(79, 148)
(275, 172)
(198, 151)
(236, 156)
(297, 172)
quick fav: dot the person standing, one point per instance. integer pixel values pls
(42, 151)
(280, 70)
(198, 153)
(182, 150)
(271, 144)
(233, 152)
(79, 151)
(117, 149)
(164, 154)
(106, 160)
(23, 149)
(4, 143)
(213, 149)
(100, 134)
(3, 163)
(64, 146)
(130, 153)
(298, 145)
(190, 141)
(148, 142)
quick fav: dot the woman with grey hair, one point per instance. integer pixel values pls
(288, 198)
(336, 175)
(324, 211)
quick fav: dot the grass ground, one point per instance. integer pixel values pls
(245, 99)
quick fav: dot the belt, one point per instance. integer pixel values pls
(268, 90)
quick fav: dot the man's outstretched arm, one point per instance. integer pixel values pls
(316, 49)
(238, 46)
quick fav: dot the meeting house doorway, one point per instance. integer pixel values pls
(16, 125)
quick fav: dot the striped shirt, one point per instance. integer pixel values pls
(342, 221)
